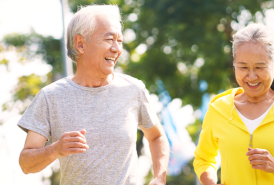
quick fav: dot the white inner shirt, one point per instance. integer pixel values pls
(253, 124)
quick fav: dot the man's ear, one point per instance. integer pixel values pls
(79, 43)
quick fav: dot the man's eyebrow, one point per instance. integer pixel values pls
(111, 34)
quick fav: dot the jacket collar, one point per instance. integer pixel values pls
(224, 105)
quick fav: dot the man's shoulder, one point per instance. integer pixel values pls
(56, 86)
(130, 81)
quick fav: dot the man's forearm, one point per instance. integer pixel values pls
(35, 160)
(159, 149)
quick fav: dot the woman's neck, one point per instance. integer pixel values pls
(267, 97)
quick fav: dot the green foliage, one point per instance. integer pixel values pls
(188, 30)
(33, 45)
(25, 90)
(186, 177)
(148, 177)
(28, 87)
(4, 61)
(194, 130)
(74, 4)
(177, 33)
(187, 41)
(54, 178)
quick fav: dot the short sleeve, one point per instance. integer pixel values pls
(147, 116)
(36, 117)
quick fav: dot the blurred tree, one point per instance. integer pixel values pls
(28, 48)
(180, 42)
(183, 43)
(35, 45)
(188, 41)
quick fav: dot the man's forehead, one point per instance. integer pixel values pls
(113, 33)
(107, 21)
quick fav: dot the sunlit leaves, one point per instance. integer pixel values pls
(33, 45)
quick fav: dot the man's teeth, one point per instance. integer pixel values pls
(253, 84)
(110, 58)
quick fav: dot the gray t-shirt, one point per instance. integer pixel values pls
(110, 115)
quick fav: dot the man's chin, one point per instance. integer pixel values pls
(109, 71)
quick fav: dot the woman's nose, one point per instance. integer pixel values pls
(252, 75)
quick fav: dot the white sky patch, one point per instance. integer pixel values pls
(141, 49)
(199, 62)
(269, 18)
(129, 35)
(11, 146)
(133, 17)
(20, 16)
(9, 74)
(167, 49)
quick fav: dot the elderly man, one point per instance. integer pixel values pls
(93, 116)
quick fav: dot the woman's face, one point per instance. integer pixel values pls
(253, 69)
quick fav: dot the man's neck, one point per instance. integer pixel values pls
(92, 80)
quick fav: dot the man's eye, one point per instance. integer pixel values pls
(243, 67)
(120, 41)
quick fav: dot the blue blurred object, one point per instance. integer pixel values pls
(178, 158)
(204, 107)
(203, 85)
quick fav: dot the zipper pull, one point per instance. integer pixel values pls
(250, 141)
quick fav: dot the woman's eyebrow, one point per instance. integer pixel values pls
(258, 63)
(241, 62)
(261, 63)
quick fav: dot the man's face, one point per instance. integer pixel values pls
(105, 46)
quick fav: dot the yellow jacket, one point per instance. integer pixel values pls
(224, 131)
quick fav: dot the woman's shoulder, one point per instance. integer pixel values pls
(227, 96)
(222, 104)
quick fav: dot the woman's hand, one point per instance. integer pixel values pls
(261, 159)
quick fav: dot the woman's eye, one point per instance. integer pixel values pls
(244, 67)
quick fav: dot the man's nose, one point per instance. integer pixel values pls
(116, 47)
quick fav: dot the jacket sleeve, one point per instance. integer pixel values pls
(207, 149)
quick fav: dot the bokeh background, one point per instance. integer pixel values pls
(181, 50)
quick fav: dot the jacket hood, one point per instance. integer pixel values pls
(223, 103)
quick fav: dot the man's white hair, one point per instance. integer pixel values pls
(84, 24)
(255, 33)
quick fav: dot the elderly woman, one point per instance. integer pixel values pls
(240, 122)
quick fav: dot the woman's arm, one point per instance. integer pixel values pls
(206, 151)
(208, 178)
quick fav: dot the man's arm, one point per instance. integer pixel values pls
(35, 157)
(159, 148)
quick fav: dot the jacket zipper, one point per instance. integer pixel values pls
(251, 145)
